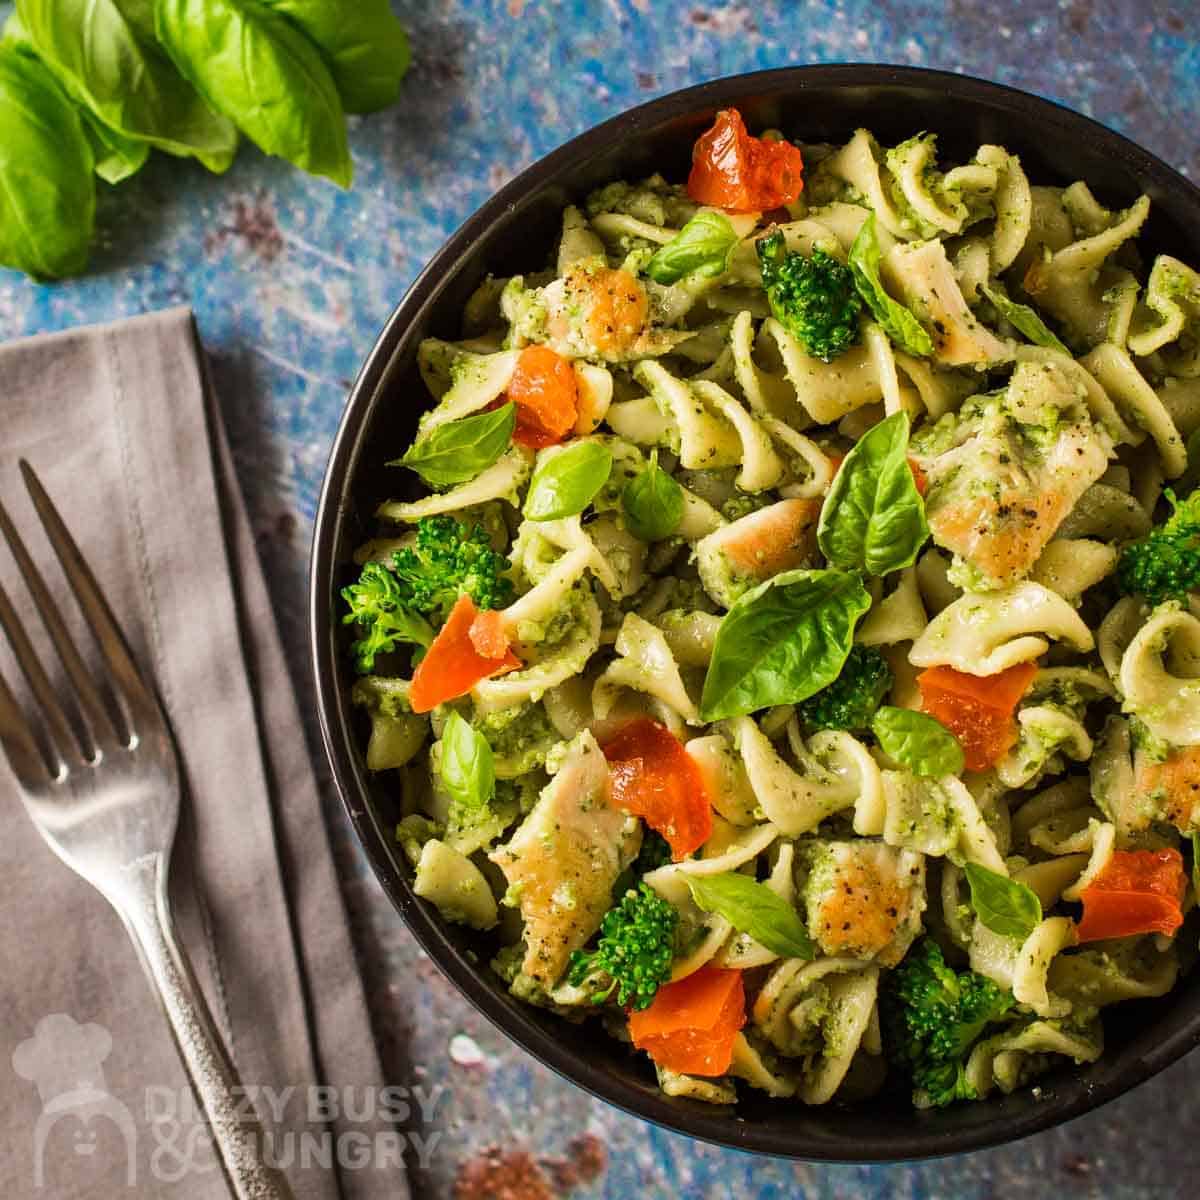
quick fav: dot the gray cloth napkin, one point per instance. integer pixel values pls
(120, 424)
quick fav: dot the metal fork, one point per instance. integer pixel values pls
(103, 790)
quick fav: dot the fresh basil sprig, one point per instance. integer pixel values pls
(1002, 904)
(752, 908)
(652, 502)
(44, 230)
(567, 480)
(896, 321)
(259, 70)
(459, 450)
(702, 247)
(467, 767)
(1023, 319)
(782, 641)
(917, 741)
(873, 519)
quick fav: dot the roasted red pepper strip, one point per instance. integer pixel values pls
(977, 709)
(453, 664)
(653, 777)
(1139, 891)
(740, 173)
(691, 1025)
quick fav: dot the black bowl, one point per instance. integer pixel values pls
(514, 232)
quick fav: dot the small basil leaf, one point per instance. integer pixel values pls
(873, 519)
(896, 321)
(752, 908)
(702, 247)
(459, 450)
(467, 767)
(1023, 319)
(782, 641)
(1002, 904)
(653, 503)
(566, 480)
(917, 741)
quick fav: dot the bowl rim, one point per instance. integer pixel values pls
(719, 1128)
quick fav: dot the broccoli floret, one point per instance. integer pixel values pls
(449, 560)
(814, 298)
(377, 607)
(636, 946)
(933, 1015)
(850, 701)
(1165, 564)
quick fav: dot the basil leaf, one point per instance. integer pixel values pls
(752, 908)
(702, 247)
(47, 189)
(362, 41)
(467, 767)
(917, 741)
(1023, 319)
(566, 481)
(782, 641)
(117, 157)
(653, 502)
(95, 52)
(459, 450)
(1002, 904)
(873, 519)
(897, 321)
(258, 69)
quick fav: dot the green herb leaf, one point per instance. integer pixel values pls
(258, 69)
(459, 450)
(917, 741)
(98, 57)
(897, 321)
(566, 481)
(702, 247)
(1023, 319)
(47, 189)
(782, 641)
(873, 519)
(362, 41)
(754, 909)
(653, 502)
(466, 767)
(1002, 904)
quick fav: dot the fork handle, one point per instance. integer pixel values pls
(238, 1137)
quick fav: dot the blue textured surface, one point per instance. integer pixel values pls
(291, 279)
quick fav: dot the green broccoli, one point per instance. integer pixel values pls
(448, 561)
(814, 298)
(932, 1017)
(636, 946)
(377, 607)
(850, 701)
(1165, 564)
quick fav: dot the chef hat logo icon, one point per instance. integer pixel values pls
(65, 1061)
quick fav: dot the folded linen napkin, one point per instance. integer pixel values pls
(121, 426)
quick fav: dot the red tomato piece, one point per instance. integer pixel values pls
(453, 665)
(977, 709)
(1139, 891)
(918, 477)
(488, 635)
(653, 777)
(691, 1025)
(740, 173)
(544, 390)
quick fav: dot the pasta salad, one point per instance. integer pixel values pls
(792, 654)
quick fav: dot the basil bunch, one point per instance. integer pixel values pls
(181, 76)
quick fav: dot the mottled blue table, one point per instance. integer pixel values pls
(291, 279)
